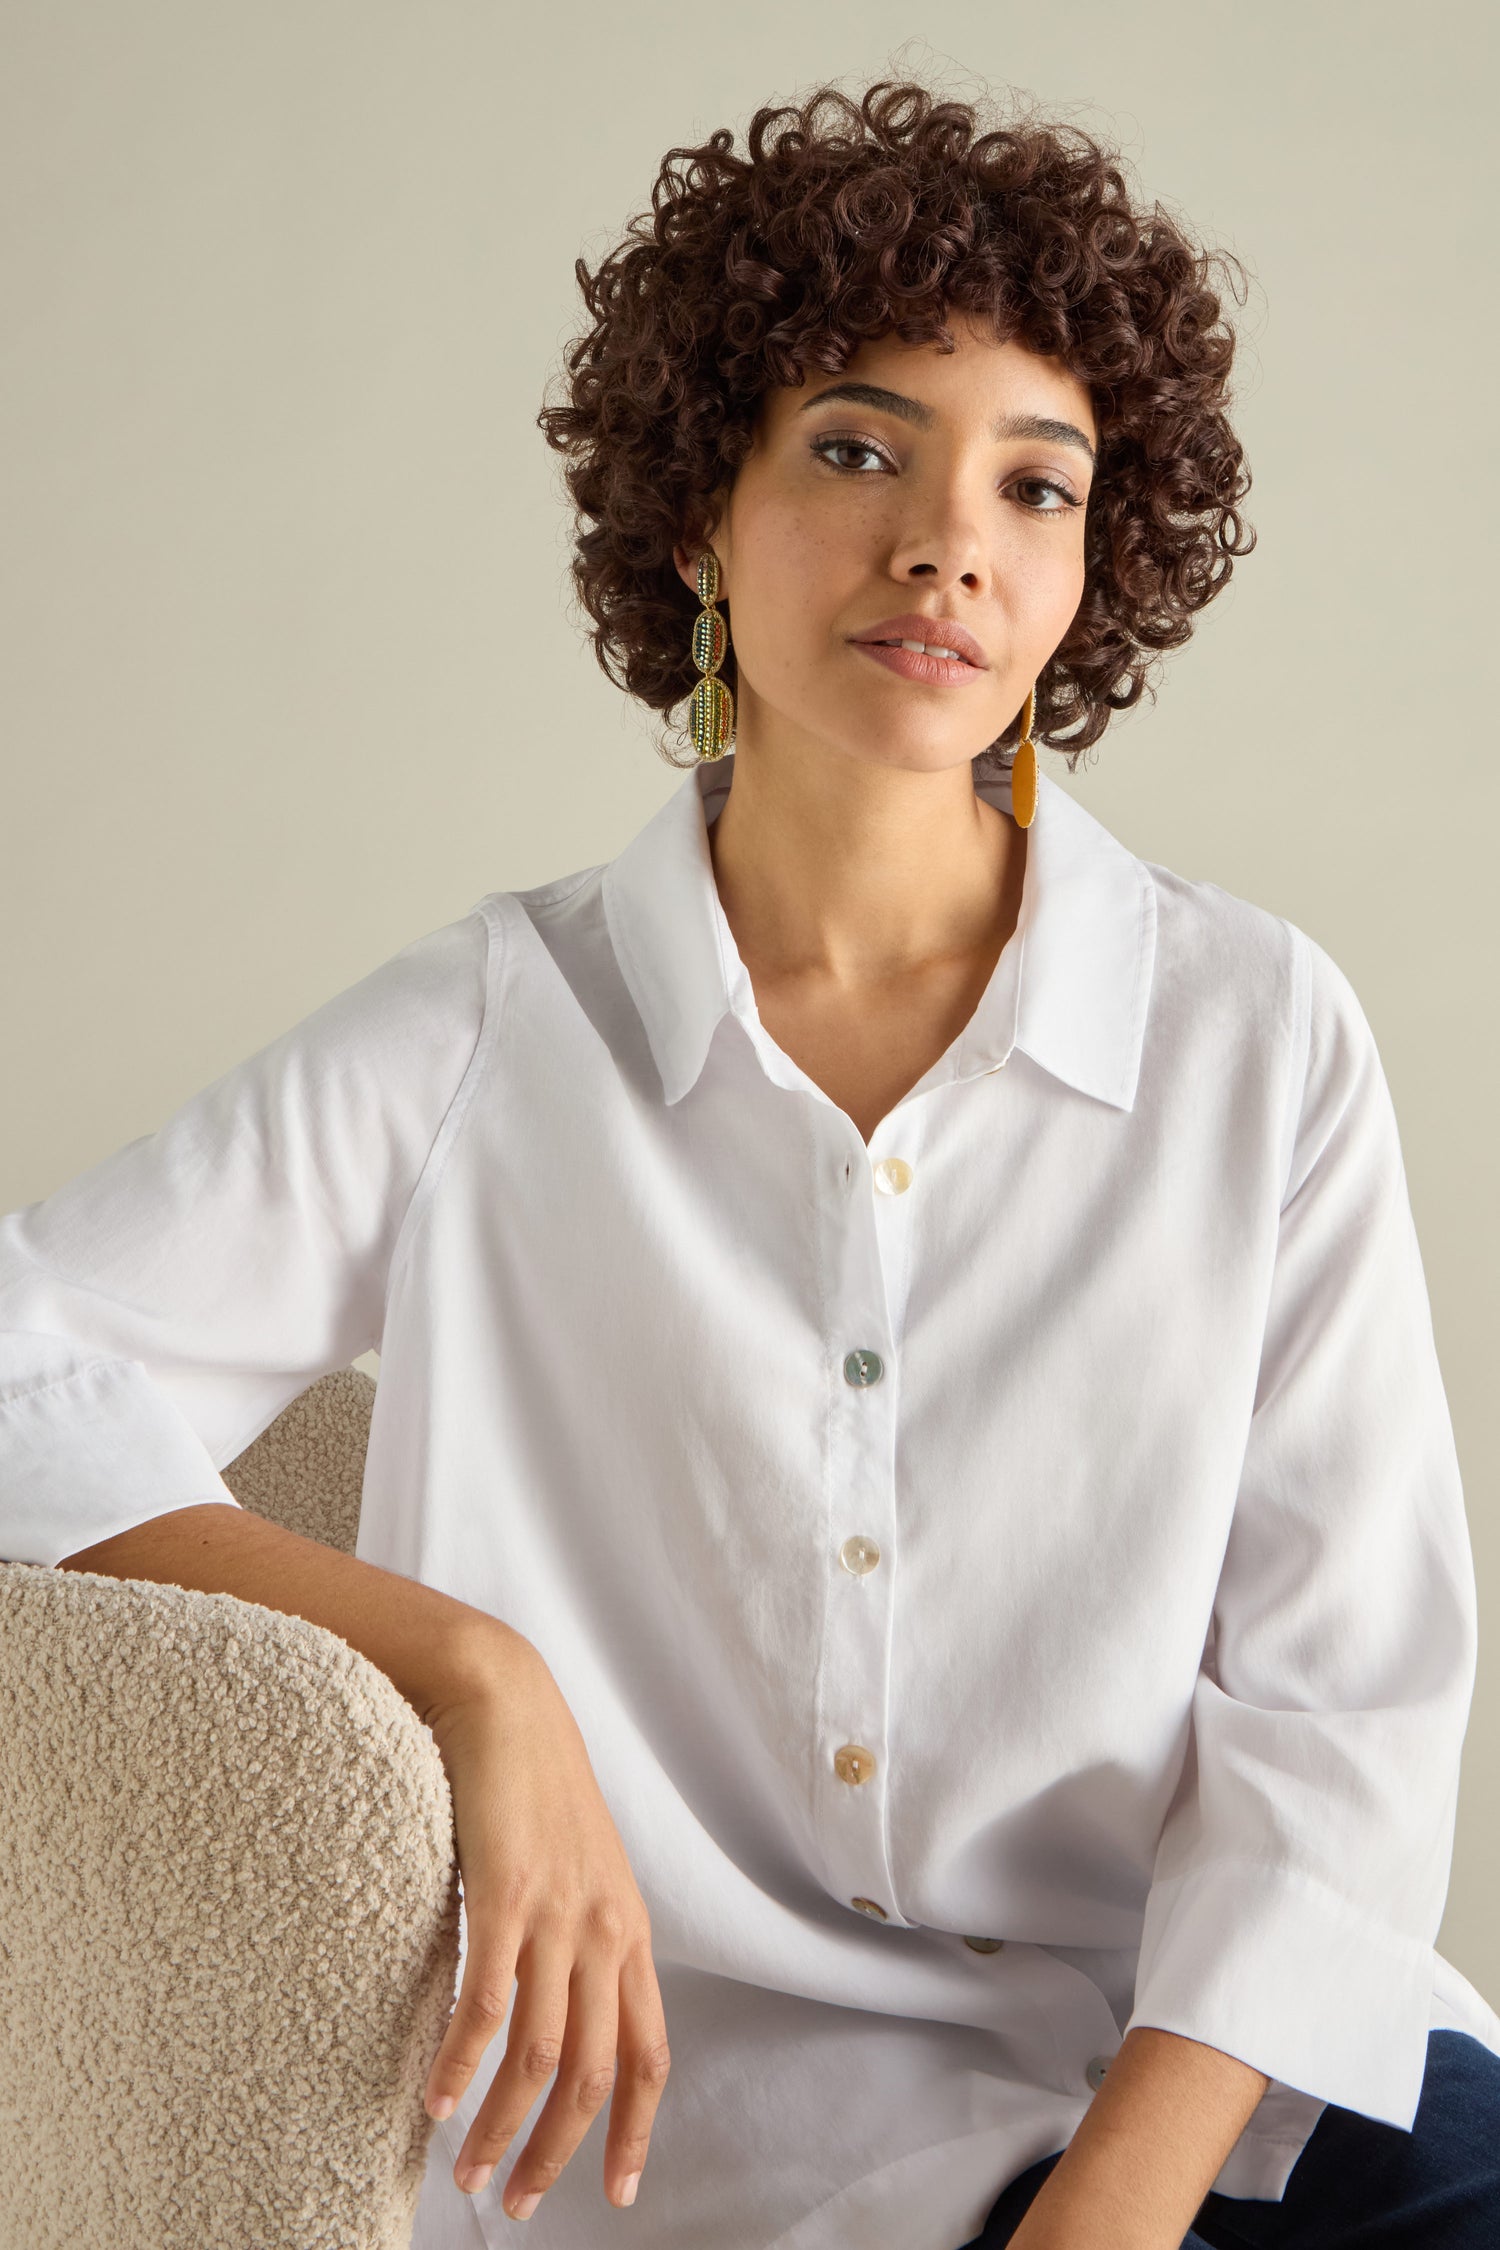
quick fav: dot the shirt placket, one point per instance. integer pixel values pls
(866, 1215)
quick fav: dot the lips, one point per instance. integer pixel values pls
(934, 632)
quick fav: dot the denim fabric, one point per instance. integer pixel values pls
(1358, 2184)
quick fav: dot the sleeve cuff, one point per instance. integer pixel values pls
(93, 1454)
(1281, 1972)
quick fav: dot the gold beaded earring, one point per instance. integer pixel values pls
(1023, 768)
(711, 708)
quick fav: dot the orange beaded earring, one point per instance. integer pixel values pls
(711, 708)
(1023, 768)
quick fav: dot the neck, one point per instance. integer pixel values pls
(861, 872)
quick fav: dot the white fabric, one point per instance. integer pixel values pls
(1166, 1661)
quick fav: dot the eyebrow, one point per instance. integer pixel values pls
(912, 410)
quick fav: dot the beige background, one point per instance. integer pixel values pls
(289, 675)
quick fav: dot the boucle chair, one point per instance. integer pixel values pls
(228, 1899)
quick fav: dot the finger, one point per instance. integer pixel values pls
(484, 1996)
(645, 2060)
(532, 2053)
(585, 2081)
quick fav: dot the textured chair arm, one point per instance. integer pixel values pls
(228, 1925)
(306, 1470)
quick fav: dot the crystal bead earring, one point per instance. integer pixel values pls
(711, 708)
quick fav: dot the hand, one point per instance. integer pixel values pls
(551, 1906)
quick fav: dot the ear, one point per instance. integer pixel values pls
(686, 562)
(687, 567)
(685, 558)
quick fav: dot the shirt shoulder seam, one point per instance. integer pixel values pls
(496, 952)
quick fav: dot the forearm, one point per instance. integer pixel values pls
(432, 1648)
(1148, 2149)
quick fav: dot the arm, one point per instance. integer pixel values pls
(156, 1314)
(1150, 2146)
(1303, 1862)
(1302, 1867)
(434, 1649)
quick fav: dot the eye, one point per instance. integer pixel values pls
(1065, 501)
(824, 446)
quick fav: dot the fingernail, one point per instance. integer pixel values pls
(444, 2106)
(526, 2206)
(474, 2179)
(628, 2188)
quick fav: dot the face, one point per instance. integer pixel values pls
(954, 488)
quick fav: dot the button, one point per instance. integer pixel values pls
(853, 1762)
(985, 1944)
(868, 1906)
(1096, 2070)
(859, 1554)
(863, 1368)
(893, 1175)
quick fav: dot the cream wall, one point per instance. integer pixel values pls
(288, 673)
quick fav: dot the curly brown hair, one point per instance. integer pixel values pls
(846, 222)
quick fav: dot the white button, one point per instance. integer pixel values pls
(985, 1944)
(893, 1175)
(859, 1554)
(1096, 2070)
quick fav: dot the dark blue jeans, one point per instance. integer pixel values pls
(1358, 2184)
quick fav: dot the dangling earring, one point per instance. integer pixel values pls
(711, 707)
(1023, 768)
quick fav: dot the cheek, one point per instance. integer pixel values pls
(790, 579)
(1056, 589)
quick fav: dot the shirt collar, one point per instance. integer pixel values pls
(1070, 990)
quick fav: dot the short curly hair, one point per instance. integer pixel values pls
(847, 221)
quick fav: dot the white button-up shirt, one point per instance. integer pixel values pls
(1012, 1578)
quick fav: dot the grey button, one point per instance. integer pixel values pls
(863, 1368)
(1096, 2070)
(985, 1944)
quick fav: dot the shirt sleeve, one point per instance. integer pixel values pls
(159, 1310)
(1303, 1866)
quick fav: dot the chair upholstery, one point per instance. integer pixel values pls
(228, 1899)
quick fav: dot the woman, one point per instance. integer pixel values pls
(910, 1476)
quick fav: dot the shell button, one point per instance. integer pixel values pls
(863, 1368)
(892, 1176)
(852, 1762)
